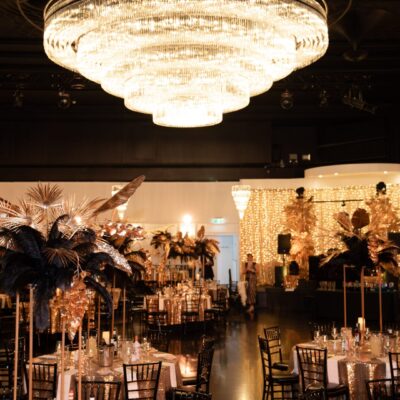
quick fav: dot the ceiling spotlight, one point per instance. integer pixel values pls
(355, 99)
(78, 82)
(18, 99)
(323, 98)
(64, 100)
(286, 100)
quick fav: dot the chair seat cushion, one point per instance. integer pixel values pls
(335, 389)
(189, 381)
(285, 378)
(280, 366)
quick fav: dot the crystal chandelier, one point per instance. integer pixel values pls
(186, 62)
(241, 196)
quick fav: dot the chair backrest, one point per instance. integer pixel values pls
(206, 343)
(187, 395)
(266, 359)
(273, 335)
(204, 365)
(192, 303)
(99, 390)
(394, 361)
(44, 381)
(312, 367)
(141, 380)
(10, 354)
(158, 339)
(152, 303)
(379, 389)
(324, 328)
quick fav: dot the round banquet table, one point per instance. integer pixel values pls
(170, 375)
(174, 305)
(349, 369)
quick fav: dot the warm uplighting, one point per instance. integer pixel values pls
(241, 195)
(185, 62)
(187, 225)
(263, 221)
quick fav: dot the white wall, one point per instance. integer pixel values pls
(157, 205)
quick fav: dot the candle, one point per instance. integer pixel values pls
(106, 337)
(361, 324)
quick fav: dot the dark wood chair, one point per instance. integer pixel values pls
(158, 339)
(10, 357)
(44, 381)
(190, 310)
(141, 380)
(313, 369)
(155, 317)
(394, 362)
(324, 328)
(180, 394)
(277, 384)
(380, 389)
(99, 390)
(273, 335)
(201, 383)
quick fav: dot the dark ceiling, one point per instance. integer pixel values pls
(344, 110)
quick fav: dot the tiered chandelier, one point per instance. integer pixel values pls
(186, 62)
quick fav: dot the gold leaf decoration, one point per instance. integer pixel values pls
(122, 196)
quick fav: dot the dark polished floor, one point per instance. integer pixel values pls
(236, 373)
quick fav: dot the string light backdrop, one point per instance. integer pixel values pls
(264, 218)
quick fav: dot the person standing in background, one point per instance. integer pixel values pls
(208, 269)
(250, 268)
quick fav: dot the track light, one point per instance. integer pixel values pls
(64, 100)
(286, 100)
(18, 99)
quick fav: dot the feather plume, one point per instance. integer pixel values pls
(91, 283)
(121, 197)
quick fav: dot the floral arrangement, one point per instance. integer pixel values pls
(123, 237)
(50, 243)
(300, 223)
(365, 246)
(184, 247)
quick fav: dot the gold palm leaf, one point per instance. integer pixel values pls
(45, 195)
(121, 197)
(15, 216)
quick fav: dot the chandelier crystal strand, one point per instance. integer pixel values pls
(186, 62)
(241, 196)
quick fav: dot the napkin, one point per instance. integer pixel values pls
(67, 383)
(172, 372)
(333, 368)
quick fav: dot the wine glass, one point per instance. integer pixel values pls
(334, 333)
(316, 336)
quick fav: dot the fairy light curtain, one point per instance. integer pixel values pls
(264, 218)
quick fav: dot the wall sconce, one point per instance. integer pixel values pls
(187, 226)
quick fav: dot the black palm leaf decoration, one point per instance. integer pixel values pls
(49, 265)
